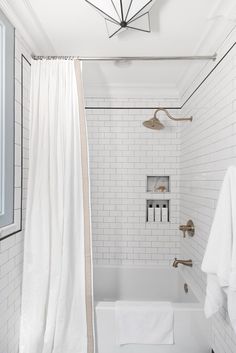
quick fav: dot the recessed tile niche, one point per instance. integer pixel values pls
(157, 211)
(158, 184)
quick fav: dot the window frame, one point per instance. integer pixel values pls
(10, 136)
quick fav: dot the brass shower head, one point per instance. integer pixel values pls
(155, 124)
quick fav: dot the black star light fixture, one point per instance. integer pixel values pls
(124, 14)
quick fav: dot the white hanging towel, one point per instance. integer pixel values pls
(144, 322)
(220, 257)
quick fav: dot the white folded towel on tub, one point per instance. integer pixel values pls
(144, 322)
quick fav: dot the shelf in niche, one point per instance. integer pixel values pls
(158, 184)
(160, 203)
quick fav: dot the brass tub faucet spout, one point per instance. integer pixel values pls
(183, 262)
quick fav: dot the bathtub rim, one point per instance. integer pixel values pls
(110, 305)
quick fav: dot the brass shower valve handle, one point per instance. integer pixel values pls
(187, 228)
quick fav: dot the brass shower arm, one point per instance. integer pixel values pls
(155, 124)
(171, 117)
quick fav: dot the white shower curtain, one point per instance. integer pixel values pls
(57, 289)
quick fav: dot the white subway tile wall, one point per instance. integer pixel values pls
(11, 249)
(122, 154)
(208, 147)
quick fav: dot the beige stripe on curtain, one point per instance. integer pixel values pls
(87, 219)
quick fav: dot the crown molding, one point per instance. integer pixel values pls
(221, 22)
(23, 18)
(225, 9)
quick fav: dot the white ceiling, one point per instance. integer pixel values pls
(179, 27)
(75, 28)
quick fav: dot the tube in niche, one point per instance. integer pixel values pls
(164, 213)
(150, 213)
(157, 213)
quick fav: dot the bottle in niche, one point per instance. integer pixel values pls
(157, 213)
(164, 213)
(150, 213)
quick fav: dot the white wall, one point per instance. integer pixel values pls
(122, 153)
(208, 147)
(11, 249)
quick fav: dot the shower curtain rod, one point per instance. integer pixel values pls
(133, 58)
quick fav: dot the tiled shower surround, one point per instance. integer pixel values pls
(122, 154)
(196, 156)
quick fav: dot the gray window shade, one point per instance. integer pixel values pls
(6, 121)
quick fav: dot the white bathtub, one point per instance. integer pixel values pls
(191, 329)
